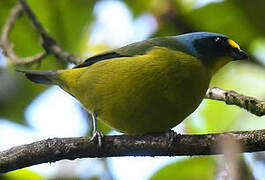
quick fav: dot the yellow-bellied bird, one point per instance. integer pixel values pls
(148, 86)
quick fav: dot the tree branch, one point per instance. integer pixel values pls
(166, 144)
(7, 47)
(49, 43)
(251, 104)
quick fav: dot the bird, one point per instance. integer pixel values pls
(148, 86)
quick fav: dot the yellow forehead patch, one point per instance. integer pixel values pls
(233, 44)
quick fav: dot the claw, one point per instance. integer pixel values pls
(99, 135)
(96, 134)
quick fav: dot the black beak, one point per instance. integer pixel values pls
(240, 55)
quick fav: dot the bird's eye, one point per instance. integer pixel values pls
(216, 39)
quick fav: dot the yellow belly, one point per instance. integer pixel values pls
(136, 95)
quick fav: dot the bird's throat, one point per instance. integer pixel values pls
(217, 64)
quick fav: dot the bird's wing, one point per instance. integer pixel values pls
(99, 57)
(138, 48)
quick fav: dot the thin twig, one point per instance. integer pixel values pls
(164, 144)
(230, 165)
(251, 104)
(48, 42)
(7, 47)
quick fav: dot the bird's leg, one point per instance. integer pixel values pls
(96, 134)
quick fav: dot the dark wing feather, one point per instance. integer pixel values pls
(98, 58)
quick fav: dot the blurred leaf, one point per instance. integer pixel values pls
(169, 17)
(216, 116)
(66, 22)
(212, 117)
(254, 11)
(102, 127)
(188, 169)
(22, 174)
(16, 95)
(223, 17)
(138, 6)
(25, 39)
(5, 7)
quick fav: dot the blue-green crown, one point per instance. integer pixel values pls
(190, 39)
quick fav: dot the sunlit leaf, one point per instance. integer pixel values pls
(22, 174)
(197, 168)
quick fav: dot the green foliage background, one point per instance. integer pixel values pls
(69, 22)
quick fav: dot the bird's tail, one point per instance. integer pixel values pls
(41, 77)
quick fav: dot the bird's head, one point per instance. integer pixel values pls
(214, 50)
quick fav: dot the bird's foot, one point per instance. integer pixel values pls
(97, 135)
